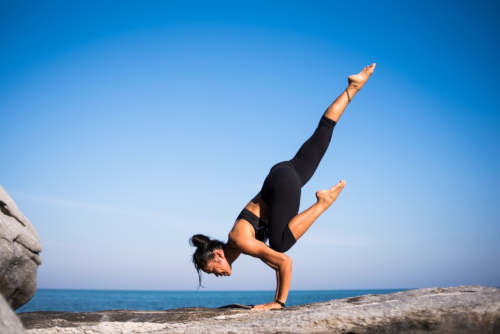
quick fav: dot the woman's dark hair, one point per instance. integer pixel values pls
(204, 251)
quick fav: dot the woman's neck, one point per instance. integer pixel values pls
(230, 252)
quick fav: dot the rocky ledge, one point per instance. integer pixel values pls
(462, 309)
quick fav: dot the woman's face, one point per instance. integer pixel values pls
(218, 265)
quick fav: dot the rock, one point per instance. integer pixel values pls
(19, 253)
(9, 323)
(462, 309)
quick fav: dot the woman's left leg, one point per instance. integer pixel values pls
(301, 222)
(281, 191)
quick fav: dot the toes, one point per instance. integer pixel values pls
(340, 184)
(370, 67)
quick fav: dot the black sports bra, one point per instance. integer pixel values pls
(260, 227)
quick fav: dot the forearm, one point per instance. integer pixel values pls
(278, 261)
(276, 270)
(277, 285)
(284, 279)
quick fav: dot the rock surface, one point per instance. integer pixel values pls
(19, 253)
(462, 309)
(9, 323)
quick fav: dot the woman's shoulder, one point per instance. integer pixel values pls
(241, 230)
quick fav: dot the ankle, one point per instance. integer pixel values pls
(351, 90)
(322, 204)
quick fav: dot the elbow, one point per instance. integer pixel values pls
(286, 263)
(288, 260)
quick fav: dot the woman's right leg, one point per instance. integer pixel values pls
(281, 189)
(309, 155)
(355, 83)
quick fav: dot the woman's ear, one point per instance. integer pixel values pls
(219, 253)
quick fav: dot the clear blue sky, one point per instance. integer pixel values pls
(128, 127)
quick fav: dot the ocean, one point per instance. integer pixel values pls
(98, 300)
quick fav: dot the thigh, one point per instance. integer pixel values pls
(308, 157)
(281, 191)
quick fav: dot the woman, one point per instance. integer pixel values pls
(273, 213)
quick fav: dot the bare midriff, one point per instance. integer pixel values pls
(258, 208)
(243, 228)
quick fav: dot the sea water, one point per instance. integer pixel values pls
(98, 300)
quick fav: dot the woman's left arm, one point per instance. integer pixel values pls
(277, 278)
(275, 259)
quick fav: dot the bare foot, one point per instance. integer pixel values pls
(328, 196)
(356, 81)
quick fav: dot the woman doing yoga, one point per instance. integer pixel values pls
(273, 213)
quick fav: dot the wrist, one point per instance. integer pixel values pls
(280, 303)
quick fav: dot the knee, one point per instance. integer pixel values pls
(284, 242)
(281, 247)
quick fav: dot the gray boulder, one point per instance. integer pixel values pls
(9, 323)
(19, 253)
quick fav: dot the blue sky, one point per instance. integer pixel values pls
(128, 127)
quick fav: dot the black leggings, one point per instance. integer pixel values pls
(282, 186)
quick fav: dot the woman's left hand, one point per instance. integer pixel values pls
(267, 306)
